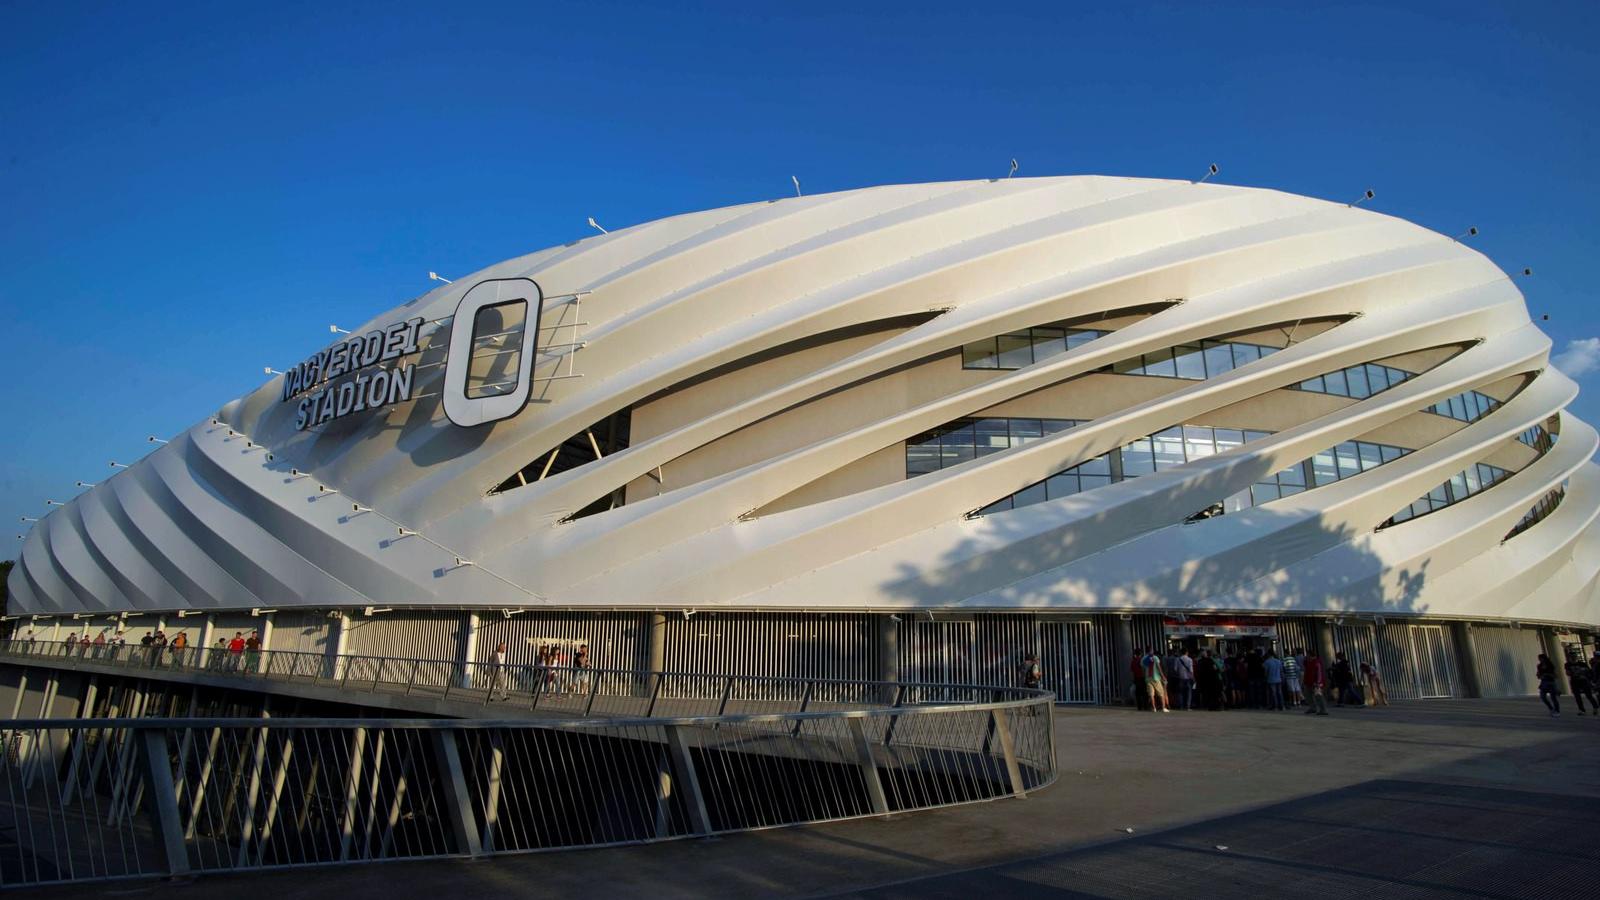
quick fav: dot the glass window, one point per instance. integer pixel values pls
(1063, 485)
(1458, 408)
(1055, 426)
(1397, 375)
(1314, 384)
(1268, 351)
(1160, 363)
(1349, 460)
(980, 355)
(1219, 358)
(1325, 468)
(922, 459)
(1474, 411)
(1371, 457)
(1237, 502)
(1048, 342)
(1169, 448)
(1100, 466)
(1472, 481)
(1390, 454)
(1228, 438)
(1458, 487)
(1199, 442)
(1024, 431)
(1133, 366)
(1264, 493)
(1289, 490)
(991, 436)
(1033, 493)
(1137, 459)
(1016, 350)
(1001, 505)
(1244, 354)
(1378, 378)
(1078, 337)
(1294, 476)
(1356, 377)
(1191, 363)
(1255, 435)
(1336, 383)
(1090, 482)
(1439, 497)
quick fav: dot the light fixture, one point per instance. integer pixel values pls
(54, 503)
(374, 610)
(334, 329)
(1470, 232)
(257, 612)
(270, 370)
(464, 562)
(405, 532)
(435, 276)
(117, 465)
(596, 226)
(1363, 198)
(1013, 169)
(28, 518)
(155, 440)
(508, 613)
(186, 612)
(893, 617)
(324, 489)
(356, 507)
(296, 473)
(86, 484)
(688, 614)
(1214, 170)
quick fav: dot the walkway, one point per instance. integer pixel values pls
(1485, 798)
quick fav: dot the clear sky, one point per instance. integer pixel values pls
(190, 193)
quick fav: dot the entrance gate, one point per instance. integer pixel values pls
(1072, 668)
(1430, 654)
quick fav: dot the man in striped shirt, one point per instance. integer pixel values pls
(1291, 677)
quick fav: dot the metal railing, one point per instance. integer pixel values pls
(113, 798)
(554, 690)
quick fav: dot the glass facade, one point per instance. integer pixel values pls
(1464, 484)
(966, 439)
(1538, 438)
(1357, 381)
(1196, 362)
(1541, 510)
(1467, 406)
(1025, 347)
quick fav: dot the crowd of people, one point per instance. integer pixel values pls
(1251, 679)
(1582, 675)
(240, 653)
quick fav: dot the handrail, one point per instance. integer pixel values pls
(549, 687)
(148, 797)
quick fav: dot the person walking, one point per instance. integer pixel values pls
(1344, 682)
(1376, 695)
(1549, 691)
(1155, 681)
(1183, 664)
(1292, 669)
(1316, 686)
(497, 680)
(1581, 678)
(1030, 674)
(1273, 667)
(1141, 693)
(1208, 676)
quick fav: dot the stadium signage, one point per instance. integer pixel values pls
(1221, 626)
(348, 377)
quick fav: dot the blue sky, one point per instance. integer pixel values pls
(190, 193)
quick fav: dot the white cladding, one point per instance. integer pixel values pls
(209, 521)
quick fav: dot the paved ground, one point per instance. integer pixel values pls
(1447, 798)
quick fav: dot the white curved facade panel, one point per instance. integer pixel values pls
(754, 319)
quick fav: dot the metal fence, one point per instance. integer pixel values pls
(554, 690)
(113, 798)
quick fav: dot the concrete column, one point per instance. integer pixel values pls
(655, 657)
(266, 642)
(338, 639)
(1322, 640)
(466, 648)
(1125, 657)
(208, 628)
(1466, 659)
(888, 647)
(1552, 649)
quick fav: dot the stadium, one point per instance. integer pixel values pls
(908, 432)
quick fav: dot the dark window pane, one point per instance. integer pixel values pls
(1325, 468)
(958, 435)
(1016, 351)
(1294, 475)
(1389, 453)
(1264, 493)
(979, 355)
(1137, 459)
(1219, 359)
(1133, 366)
(1055, 426)
(1048, 342)
(1160, 363)
(1250, 435)
(1371, 456)
(921, 459)
(1059, 486)
(991, 435)
(1025, 430)
(1190, 362)
(1000, 505)
(1033, 493)
(1090, 482)
(1100, 465)
(1356, 379)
